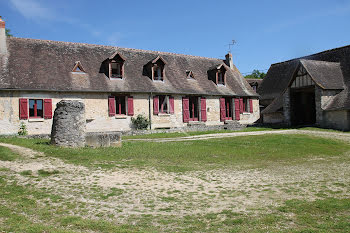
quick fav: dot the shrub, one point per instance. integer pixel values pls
(140, 122)
(22, 129)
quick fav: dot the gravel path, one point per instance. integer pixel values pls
(334, 135)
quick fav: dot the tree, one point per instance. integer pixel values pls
(8, 32)
(256, 74)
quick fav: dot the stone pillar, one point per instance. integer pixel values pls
(286, 107)
(69, 124)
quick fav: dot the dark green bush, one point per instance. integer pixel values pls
(140, 122)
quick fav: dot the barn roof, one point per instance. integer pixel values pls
(330, 68)
(47, 65)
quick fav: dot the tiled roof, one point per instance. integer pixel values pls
(330, 69)
(47, 65)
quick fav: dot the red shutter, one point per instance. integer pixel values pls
(222, 109)
(111, 105)
(203, 109)
(155, 105)
(251, 105)
(237, 110)
(186, 109)
(47, 108)
(241, 105)
(23, 109)
(130, 105)
(171, 103)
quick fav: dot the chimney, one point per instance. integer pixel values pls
(3, 48)
(228, 60)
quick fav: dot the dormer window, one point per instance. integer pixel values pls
(116, 70)
(116, 66)
(218, 74)
(158, 72)
(190, 74)
(78, 67)
(221, 77)
(158, 66)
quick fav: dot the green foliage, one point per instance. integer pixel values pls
(256, 74)
(140, 122)
(22, 129)
(8, 32)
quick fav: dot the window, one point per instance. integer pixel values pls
(163, 104)
(221, 77)
(228, 108)
(245, 105)
(78, 67)
(116, 69)
(158, 72)
(120, 105)
(36, 108)
(190, 74)
(193, 107)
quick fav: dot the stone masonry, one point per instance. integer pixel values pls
(69, 124)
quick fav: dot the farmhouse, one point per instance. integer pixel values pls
(312, 90)
(171, 90)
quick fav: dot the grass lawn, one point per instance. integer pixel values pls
(247, 152)
(267, 183)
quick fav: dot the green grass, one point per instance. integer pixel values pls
(7, 155)
(23, 213)
(194, 133)
(248, 152)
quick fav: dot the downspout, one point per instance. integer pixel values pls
(150, 111)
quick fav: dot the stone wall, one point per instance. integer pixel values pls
(287, 107)
(337, 120)
(274, 118)
(97, 118)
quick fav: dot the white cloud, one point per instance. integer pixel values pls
(32, 9)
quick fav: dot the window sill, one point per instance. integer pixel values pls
(164, 114)
(116, 78)
(221, 85)
(121, 116)
(158, 81)
(246, 113)
(35, 119)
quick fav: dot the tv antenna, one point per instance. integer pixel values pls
(231, 44)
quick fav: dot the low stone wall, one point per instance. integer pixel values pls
(189, 128)
(103, 139)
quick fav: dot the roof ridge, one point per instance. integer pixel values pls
(309, 60)
(111, 46)
(299, 58)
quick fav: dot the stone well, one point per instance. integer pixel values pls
(69, 124)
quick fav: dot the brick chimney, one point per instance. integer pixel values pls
(228, 60)
(3, 47)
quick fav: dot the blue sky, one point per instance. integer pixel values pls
(266, 31)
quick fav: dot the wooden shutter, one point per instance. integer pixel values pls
(111, 106)
(186, 109)
(241, 105)
(203, 109)
(155, 105)
(251, 105)
(47, 108)
(222, 109)
(171, 103)
(130, 105)
(23, 109)
(237, 110)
